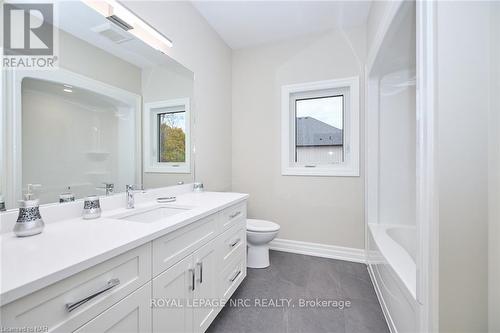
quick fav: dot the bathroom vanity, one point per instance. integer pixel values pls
(113, 115)
(154, 268)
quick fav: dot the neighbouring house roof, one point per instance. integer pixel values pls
(314, 132)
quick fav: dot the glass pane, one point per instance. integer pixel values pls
(319, 134)
(172, 137)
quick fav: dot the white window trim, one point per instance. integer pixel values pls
(150, 148)
(350, 167)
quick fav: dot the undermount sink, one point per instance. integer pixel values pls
(152, 214)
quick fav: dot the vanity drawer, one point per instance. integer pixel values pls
(232, 241)
(102, 285)
(232, 215)
(171, 248)
(233, 274)
(132, 315)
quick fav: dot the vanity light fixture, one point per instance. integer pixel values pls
(128, 21)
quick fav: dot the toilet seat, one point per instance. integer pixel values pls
(261, 226)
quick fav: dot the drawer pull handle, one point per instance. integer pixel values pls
(235, 276)
(191, 270)
(236, 242)
(200, 264)
(232, 216)
(75, 305)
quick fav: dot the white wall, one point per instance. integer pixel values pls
(494, 174)
(463, 40)
(378, 10)
(83, 58)
(199, 48)
(326, 210)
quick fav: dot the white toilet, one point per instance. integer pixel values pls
(259, 234)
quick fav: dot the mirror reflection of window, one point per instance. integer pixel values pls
(167, 136)
(172, 137)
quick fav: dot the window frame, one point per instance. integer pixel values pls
(151, 136)
(350, 90)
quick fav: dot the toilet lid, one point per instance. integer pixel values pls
(261, 226)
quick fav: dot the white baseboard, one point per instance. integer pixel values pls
(319, 250)
(383, 305)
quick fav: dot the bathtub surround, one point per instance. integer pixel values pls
(92, 142)
(463, 186)
(325, 210)
(393, 143)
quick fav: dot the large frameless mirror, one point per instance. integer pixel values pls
(114, 112)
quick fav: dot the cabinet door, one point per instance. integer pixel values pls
(206, 286)
(131, 315)
(172, 296)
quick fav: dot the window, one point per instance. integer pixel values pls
(172, 137)
(166, 136)
(320, 128)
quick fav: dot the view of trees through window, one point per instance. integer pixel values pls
(172, 137)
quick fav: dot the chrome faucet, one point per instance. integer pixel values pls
(108, 187)
(131, 191)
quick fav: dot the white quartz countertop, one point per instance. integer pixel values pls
(70, 246)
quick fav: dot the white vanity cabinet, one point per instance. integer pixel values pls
(173, 283)
(188, 295)
(178, 291)
(70, 303)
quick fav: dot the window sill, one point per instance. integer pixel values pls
(334, 171)
(167, 169)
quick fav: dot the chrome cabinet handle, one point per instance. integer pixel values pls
(232, 216)
(74, 305)
(191, 270)
(233, 244)
(200, 264)
(235, 276)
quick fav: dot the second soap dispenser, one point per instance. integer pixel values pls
(29, 221)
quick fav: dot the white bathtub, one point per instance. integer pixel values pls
(392, 266)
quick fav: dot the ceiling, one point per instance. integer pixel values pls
(244, 24)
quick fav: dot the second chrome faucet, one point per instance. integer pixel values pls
(131, 190)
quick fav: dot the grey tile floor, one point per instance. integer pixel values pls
(293, 277)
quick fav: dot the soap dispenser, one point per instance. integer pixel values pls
(29, 221)
(2, 204)
(67, 196)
